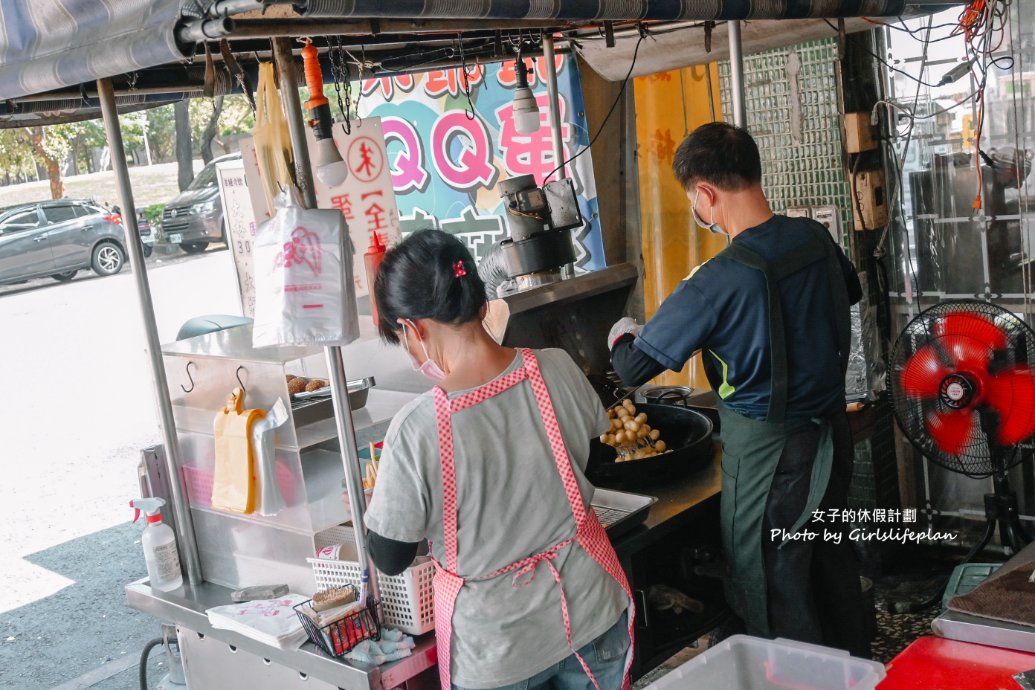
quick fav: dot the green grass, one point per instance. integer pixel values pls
(154, 184)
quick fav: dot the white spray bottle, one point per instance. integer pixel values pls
(160, 554)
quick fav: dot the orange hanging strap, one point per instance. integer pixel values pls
(313, 76)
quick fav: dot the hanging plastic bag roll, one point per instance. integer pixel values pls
(233, 484)
(271, 136)
(304, 289)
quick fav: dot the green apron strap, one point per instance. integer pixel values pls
(752, 448)
(777, 341)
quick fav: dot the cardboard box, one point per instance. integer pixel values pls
(869, 200)
(859, 133)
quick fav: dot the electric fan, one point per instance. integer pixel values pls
(963, 389)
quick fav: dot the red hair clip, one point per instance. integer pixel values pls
(459, 270)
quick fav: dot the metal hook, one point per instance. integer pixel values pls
(238, 375)
(189, 378)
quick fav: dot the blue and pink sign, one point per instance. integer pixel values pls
(447, 155)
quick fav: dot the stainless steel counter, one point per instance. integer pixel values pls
(186, 608)
(964, 628)
(987, 631)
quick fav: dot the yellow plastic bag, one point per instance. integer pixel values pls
(271, 136)
(233, 487)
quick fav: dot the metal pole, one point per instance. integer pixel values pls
(335, 363)
(555, 104)
(737, 74)
(350, 460)
(204, 30)
(287, 71)
(184, 523)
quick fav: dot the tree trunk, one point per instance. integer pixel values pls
(211, 129)
(75, 156)
(57, 187)
(184, 147)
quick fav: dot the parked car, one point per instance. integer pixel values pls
(194, 218)
(59, 239)
(147, 237)
(144, 230)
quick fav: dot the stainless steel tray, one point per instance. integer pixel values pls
(317, 405)
(619, 511)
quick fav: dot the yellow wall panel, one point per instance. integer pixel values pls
(670, 105)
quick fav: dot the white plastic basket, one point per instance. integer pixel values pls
(407, 600)
(741, 662)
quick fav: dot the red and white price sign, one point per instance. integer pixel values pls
(366, 198)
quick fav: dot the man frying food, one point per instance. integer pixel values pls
(770, 315)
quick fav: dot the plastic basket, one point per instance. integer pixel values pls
(407, 600)
(338, 638)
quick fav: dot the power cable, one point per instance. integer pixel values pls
(618, 98)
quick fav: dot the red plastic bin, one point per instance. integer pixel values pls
(934, 663)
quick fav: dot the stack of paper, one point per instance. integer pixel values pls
(272, 621)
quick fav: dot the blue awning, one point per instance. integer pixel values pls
(49, 44)
(601, 10)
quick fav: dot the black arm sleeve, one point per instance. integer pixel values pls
(390, 556)
(855, 291)
(631, 364)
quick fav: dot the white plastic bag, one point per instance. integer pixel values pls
(304, 292)
(270, 499)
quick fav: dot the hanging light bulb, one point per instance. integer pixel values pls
(330, 168)
(526, 110)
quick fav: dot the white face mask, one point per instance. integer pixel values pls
(430, 369)
(713, 226)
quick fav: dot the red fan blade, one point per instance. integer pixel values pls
(951, 430)
(972, 326)
(1012, 395)
(967, 354)
(922, 376)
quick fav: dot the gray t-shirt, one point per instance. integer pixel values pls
(511, 505)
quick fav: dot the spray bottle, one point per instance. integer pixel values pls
(160, 554)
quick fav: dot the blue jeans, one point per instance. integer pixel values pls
(604, 655)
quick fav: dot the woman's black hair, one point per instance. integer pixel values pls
(429, 275)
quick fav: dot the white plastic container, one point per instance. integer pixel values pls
(742, 662)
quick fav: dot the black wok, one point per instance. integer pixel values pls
(687, 432)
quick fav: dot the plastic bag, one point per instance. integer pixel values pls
(304, 292)
(270, 500)
(233, 484)
(271, 136)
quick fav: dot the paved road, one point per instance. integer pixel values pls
(77, 405)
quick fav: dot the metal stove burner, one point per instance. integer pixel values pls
(679, 396)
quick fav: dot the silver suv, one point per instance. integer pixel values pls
(194, 217)
(59, 239)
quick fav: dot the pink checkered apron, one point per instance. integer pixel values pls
(589, 534)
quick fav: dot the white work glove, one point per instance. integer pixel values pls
(624, 325)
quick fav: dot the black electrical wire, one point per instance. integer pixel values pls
(142, 667)
(881, 60)
(618, 99)
(900, 180)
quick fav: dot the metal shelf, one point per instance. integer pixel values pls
(187, 606)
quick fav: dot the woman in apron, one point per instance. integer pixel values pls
(488, 466)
